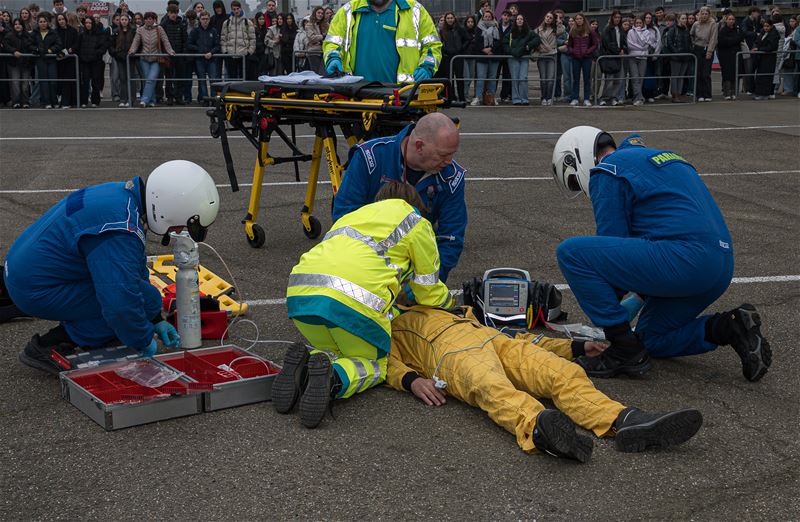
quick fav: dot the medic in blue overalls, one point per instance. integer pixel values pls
(83, 262)
(661, 236)
(421, 155)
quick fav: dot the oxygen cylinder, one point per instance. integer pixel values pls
(187, 289)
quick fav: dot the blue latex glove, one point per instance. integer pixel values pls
(422, 73)
(167, 334)
(633, 304)
(150, 350)
(334, 65)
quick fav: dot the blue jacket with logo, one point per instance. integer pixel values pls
(91, 241)
(653, 194)
(379, 161)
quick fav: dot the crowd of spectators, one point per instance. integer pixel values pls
(39, 50)
(631, 59)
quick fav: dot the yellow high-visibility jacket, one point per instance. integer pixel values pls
(351, 279)
(416, 35)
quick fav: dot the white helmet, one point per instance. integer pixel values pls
(181, 194)
(574, 156)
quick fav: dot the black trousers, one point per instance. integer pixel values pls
(91, 73)
(177, 69)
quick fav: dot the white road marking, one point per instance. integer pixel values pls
(466, 134)
(491, 178)
(735, 281)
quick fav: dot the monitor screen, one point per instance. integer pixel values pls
(503, 294)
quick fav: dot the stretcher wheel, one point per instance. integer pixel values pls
(316, 228)
(259, 237)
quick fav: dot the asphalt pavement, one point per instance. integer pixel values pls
(385, 455)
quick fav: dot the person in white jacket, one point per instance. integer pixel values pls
(641, 42)
(300, 45)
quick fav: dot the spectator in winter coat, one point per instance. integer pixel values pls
(454, 42)
(473, 47)
(18, 42)
(316, 30)
(219, 16)
(765, 63)
(519, 44)
(613, 43)
(548, 32)
(273, 42)
(153, 40)
(300, 45)
(704, 41)
(175, 28)
(260, 61)
(729, 39)
(120, 45)
(204, 40)
(288, 36)
(751, 27)
(581, 46)
(486, 68)
(65, 66)
(679, 41)
(238, 37)
(640, 42)
(46, 42)
(92, 46)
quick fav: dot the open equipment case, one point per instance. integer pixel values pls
(208, 379)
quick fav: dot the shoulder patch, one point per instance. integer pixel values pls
(606, 167)
(666, 158)
(369, 157)
(636, 140)
(366, 149)
(456, 180)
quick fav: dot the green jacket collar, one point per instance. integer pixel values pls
(363, 5)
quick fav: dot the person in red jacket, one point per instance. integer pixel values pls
(581, 45)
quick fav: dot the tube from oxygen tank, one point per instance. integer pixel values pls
(187, 289)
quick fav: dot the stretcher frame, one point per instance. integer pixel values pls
(261, 112)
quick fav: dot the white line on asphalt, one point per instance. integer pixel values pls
(497, 178)
(735, 281)
(468, 134)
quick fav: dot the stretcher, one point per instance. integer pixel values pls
(360, 110)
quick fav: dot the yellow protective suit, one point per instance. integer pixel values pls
(501, 375)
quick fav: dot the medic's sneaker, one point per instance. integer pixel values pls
(317, 395)
(637, 430)
(44, 356)
(554, 433)
(288, 385)
(748, 342)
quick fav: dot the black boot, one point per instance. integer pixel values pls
(42, 351)
(554, 434)
(288, 385)
(319, 392)
(626, 355)
(741, 328)
(637, 430)
(8, 310)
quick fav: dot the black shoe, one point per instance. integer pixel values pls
(42, 356)
(637, 430)
(317, 394)
(9, 311)
(179, 102)
(607, 364)
(170, 102)
(554, 433)
(288, 385)
(748, 342)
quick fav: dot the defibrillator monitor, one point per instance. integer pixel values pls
(505, 292)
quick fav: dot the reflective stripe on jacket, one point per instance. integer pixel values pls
(416, 38)
(352, 277)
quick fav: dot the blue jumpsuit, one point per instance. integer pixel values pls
(379, 161)
(659, 234)
(83, 263)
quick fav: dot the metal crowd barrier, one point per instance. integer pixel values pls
(599, 75)
(303, 54)
(131, 93)
(77, 78)
(498, 58)
(749, 54)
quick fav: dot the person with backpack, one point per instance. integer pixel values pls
(238, 37)
(679, 41)
(612, 43)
